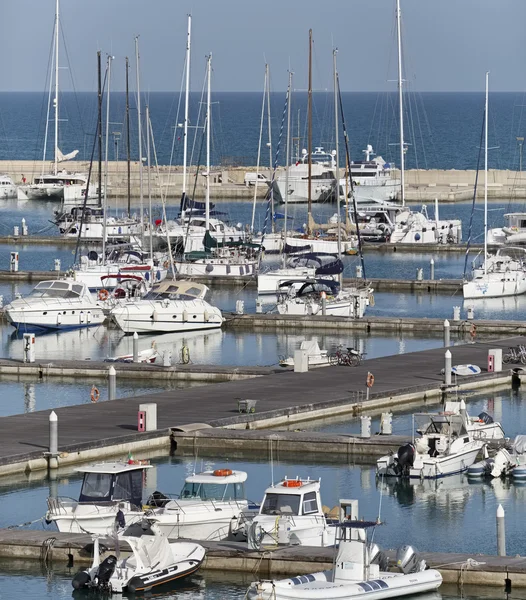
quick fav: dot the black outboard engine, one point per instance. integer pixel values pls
(487, 419)
(81, 579)
(406, 459)
(106, 569)
(157, 500)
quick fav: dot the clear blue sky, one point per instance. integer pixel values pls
(448, 44)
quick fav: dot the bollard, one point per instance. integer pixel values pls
(259, 306)
(167, 358)
(366, 426)
(446, 334)
(1, 301)
(24, 227)
(53, 433)
(447, 369)
(240, 307)
(471, 312)
(28, 348)
(135, 347)
(13, 262)
(358, 271)
(301, 361)
(456, 313)
(501, 532)
(419, 274)
(112, 383)
(16, 230)
(386, 423)
(324, 304)
(57, 264)
(432, 269)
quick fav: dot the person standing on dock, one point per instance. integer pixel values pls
(23, 179)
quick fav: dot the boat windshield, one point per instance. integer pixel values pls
(108, 487)
(281, 504)
(441, 424)
(96, 487)
(56, 289)
(213, 491)
(172, 292)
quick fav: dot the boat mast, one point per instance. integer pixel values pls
(337, 157)
(208, 123)
(139, 116)
(269, 144)
(128, 157)
(148, 179)
(486, 174)
(56, 86)
(287, 166)
(259, 152)
(309, 141)
(105, 206)
(400, 102)
(186, 108)
(99, 129)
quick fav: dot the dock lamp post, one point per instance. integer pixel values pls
(520, 141)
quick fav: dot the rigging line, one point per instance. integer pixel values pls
(468, 244)
(198, 121)
(348, 157)
(72, 78)
(270, 200)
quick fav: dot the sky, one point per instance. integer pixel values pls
(448, 44)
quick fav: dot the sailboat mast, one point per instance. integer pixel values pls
(400, 101)
(486, 174)
(105, 205)
(139, 130)
(148, 179)
(56, 86)
(287, 166)
(309, 142)
(259, 152)
(208, 123)
(337, 156)
(99, 127)
(267, 79)
(128, 157)
(186, 109)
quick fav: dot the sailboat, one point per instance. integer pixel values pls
(59, 184)
(504, 273)
(383, 221)
(217, 258)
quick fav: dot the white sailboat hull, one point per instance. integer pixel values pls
(269, 282)
(217, 267)
(496, 285)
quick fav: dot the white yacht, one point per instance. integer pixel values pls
(107, 488)
(444, 448)
(501, 274)
(319, 296)
(8, 190)
(513, 231)
(211, 506)
(292, 513)
(373, 179)
(65, 186)
(91, 223)
(154, 561)
(55, 304)
(170, 306)
(360, 570)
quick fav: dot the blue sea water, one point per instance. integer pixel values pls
(442, 129)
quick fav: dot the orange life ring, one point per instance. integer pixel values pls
(95, 394)
(103, 295)
(222, 472)
(292, 483)
(370, 380)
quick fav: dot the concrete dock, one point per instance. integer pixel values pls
(54, 548)
(95, 430)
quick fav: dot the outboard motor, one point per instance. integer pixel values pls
(105, 571)
(378, 557)
(81, 579)
(408, 561)
(157, 500)
(406, 459)
(488, 419)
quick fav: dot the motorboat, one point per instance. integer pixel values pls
(8, 189)
(292, 513)
(170, 306)
(360, 569)
(92, 223)
(444, 448)
(501, 274)
(108, 488)
(62, 185)
(303, 266)
(509, 461)
(315, 355)
(481, 427)
(211, 506)
(512, 232)
(153, 561)
(56, 304)
(322, 297)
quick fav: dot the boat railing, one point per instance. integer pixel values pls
(61, 505)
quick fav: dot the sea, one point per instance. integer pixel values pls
(443, 131)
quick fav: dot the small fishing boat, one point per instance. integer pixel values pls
(445, 448)
(507, 462)
(211, 506)
(360, 569)
(292, 513)
(481, 427)
(55, 304)
(154, 561)
(108, 488)
(315, 355)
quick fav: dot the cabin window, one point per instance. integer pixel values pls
(96, 487)
(128, 486)
(310, 504)
(213, 491)
(281, 504)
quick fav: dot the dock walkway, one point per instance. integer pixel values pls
(282, 397)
